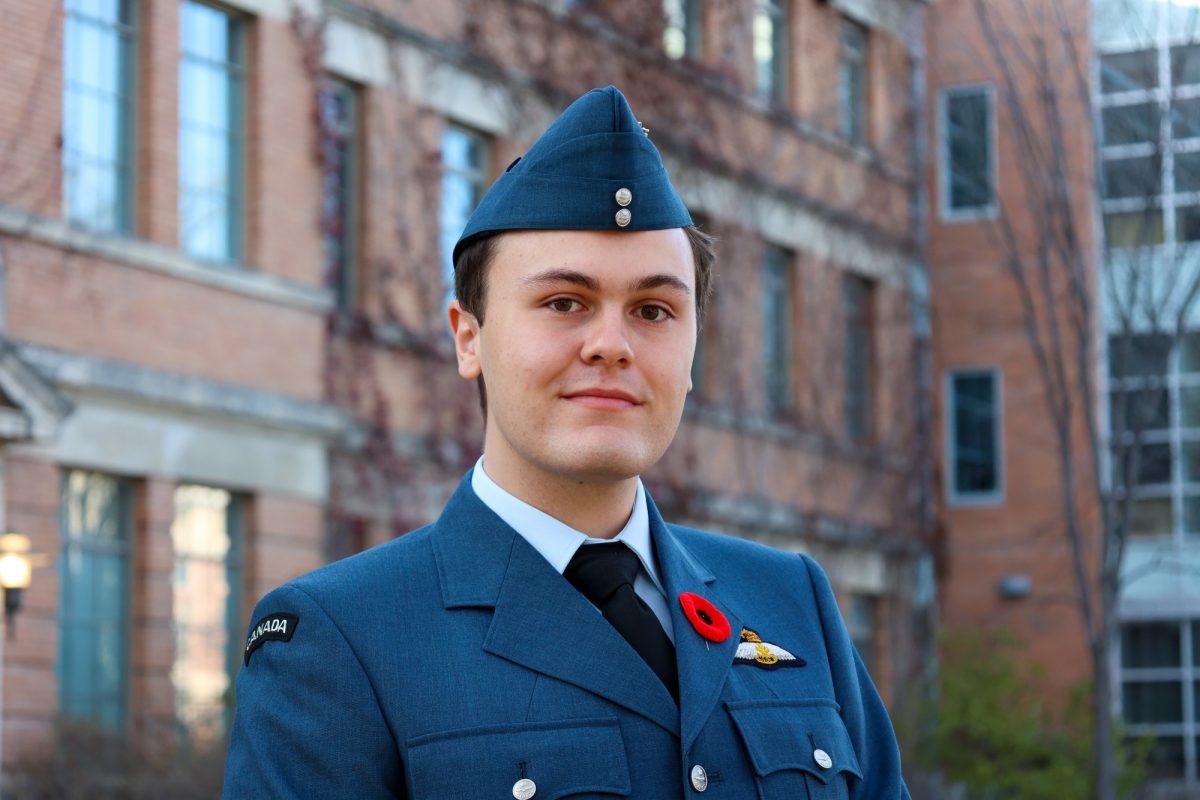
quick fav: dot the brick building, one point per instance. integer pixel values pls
(1062, 141)
(224, 231)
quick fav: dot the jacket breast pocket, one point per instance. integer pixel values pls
(578, 758)
(799, 748)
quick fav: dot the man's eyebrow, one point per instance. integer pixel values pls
(562, 276)
(660, 280)
(553, 276)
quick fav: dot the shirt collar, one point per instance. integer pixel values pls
(557, 541)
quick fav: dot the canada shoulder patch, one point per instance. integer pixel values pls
(277, 627)
(753, 651)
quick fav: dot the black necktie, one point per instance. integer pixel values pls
(604, 574)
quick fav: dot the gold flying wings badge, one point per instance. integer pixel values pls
(752, 650)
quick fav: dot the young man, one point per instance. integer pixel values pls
(550, 636)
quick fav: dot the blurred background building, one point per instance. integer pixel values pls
(224, 260)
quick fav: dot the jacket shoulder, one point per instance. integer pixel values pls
(373, 569)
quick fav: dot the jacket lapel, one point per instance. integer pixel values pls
(539, 621)
(703, 665)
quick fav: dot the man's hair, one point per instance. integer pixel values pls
(470, 279)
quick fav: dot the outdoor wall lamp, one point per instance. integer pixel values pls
(16, 571)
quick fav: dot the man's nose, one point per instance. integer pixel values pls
(607, 339)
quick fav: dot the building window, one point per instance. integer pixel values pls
(852, 82)
(968, 151)
(858, 302)
(771, 50)
(98, 114)
(1154, 403)
(862, 624)
(206, 587)
(465, 175)
(973, 413)
(211, 137)
(340, 154)
(93, 664)
(682, 33)
(1149, 126)
(777, 288)
(1160, 682)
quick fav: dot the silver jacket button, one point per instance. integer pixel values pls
(624, 197)
(699, 778)
(524, 789)
(822, 758)
(624, 217)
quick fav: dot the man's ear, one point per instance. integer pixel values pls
(465, 328)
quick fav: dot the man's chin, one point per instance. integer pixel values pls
(604, 464)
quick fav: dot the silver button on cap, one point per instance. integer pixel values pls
(624, 217)
(822, 758)
(699, 778)
(524, 789)
(624, 197)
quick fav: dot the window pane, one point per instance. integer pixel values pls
(210, 133)
(1150, 644)
(858, 301)
(1139, 411)
(1196, 650)
(770, 49)
(1191, 462)
(862, 625)
(1123, 72)
(1191, 514)
(968, 149)
(204, 602)
(1133, 177)
(1132, 124)
(1166, 760)
(976, 450)
(681, 34)
(1134, 228)
(777, 329)
(1151, 516)
(1138, 355)
(1187, 172)
(464, 181)
(1185, 64)
(339, 189)
(93, 582)
(1157, 701)
(1185, 118)
(1187, 223)
(852, 81)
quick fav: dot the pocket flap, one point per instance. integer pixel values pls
(786, 734)
(562, 758)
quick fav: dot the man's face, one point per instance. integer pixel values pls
(586, 350)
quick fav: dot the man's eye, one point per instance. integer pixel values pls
(564, 305)
(652, 313)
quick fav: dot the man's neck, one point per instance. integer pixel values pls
(598, 509)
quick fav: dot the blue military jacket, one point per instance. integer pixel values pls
(455, 662)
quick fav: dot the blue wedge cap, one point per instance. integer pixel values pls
(594, 169)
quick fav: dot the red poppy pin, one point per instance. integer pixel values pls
(708, 622)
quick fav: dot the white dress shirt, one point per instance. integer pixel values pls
(557, 541)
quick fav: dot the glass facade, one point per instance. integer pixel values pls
(852, 82)
(1160, 679)
(211, 137)
(967, 150)
(974, 435)
(98, 112)
(771, 50)
(93, 660)
(206, 585)
(339, 190)
(465, 175)
(777, 289)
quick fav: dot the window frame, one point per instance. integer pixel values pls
(973, 213)
(238, 139)
(865, 314)
(692, 12)
(126, 553)
(128, 106)
(482, 173)
(777, 93)
(859, 135)
(345, 277)
(778, 272)
(954, 497)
